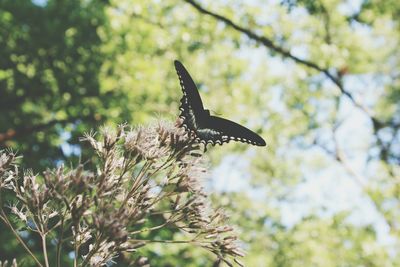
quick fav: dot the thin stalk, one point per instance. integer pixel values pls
(59, 243)
(173, 241)
(7, 222)
(46, 259)
(135, 185)
(75, 248)
(43, 232)
(152, 228)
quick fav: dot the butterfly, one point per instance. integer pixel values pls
(202, 126)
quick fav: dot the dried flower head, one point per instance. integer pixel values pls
(140, 174)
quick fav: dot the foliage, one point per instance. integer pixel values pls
(49, 67)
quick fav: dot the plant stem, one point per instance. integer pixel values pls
(173, 241)
(151, 228)
(135, 185)
(7, 222)
(59, 243)
(75, 248)
(46, 260)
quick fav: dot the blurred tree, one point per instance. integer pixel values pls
(50, 57)
(49, 68)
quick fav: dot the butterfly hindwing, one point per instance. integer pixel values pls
(230, 130)
(203, 127)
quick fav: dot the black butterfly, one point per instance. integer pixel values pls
(201, 125)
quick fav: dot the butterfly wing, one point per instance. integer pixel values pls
(192, 110)
(219, 131)
(191, 94)
(205, 128)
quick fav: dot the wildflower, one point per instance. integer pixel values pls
(142, 172)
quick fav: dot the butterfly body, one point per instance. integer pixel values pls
(204, 127)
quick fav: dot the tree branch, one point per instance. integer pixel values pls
(339, 156)
(336, 79)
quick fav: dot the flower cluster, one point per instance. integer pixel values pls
(105, 210)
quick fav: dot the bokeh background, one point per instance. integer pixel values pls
(319, 80)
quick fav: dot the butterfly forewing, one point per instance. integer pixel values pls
(189, 89)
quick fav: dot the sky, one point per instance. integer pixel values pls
(40, 2)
